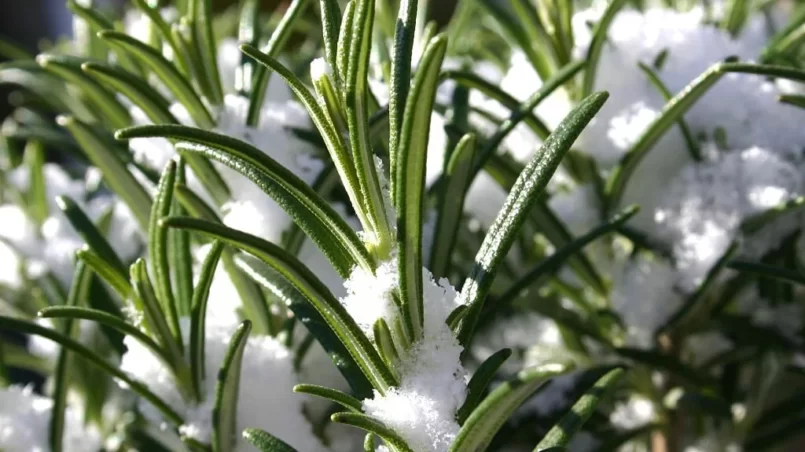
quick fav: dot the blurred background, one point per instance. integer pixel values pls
(33, 23)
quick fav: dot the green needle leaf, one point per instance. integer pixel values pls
(510, 219)
(140, 388)
(266, 442)
(332, 137)
(199, 315)
(37, 199)
(104, 318)
(248, 32)
(345, 40)
(655, 80)
(224, 412)
(513, 30)
(401, 61)
(561, 433)
(485, 421)
(526, 108)
(167, 72)
(91, 235)
(272, 49)
(305, 313)
(451, 204)
(699, 303)
(115, 173)
(356, 103)
(110, 110)
(341, 398)
(550, 265)
(153, 104)
(155, 320)
(480, 381)
(310, 287)
(158, 246)
(313, 214)
(409, 171)
(117, 281)
(98, 22)
(204, 40)
(61, 376)
(385, 342)
(374, 426)
(769, 271)
(470, 80)
(597, 45)
(330, 25)
(12, 51)
(163, 28)
(756, 222)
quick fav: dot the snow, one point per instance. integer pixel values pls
(644, 296)
(25, 422)
(272, 407)
(433, 382)
(704, 205)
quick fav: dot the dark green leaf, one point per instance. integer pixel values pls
(158, 246)
(779, 273)
(169, 75)
(514, 32)
(334, 395)
(199, 315)
(409, 173)
(550, 265)
(316, 293)
(510, 219)
(202, 21)
(313, 214)
(525, 109)
(330, 25)
(597, 45)
(698, 304)
(356, 104)
(655, 360)
(140, 388)
(248, 32)
(109, 110)
(118, 281)
(385, 342)
(152, 103)
(304, 312)
(373, 426)
(561, 433)
(154, 320)
(480, 381)
(91, 235)
(655, 80)
(273, 48)
(400, 83)
(485, 420)
(104, 318)
(61, 375)
(224, 412)
(331, 136)
(115, 173)
(266, 442)
(489, 89)
(451, 204)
